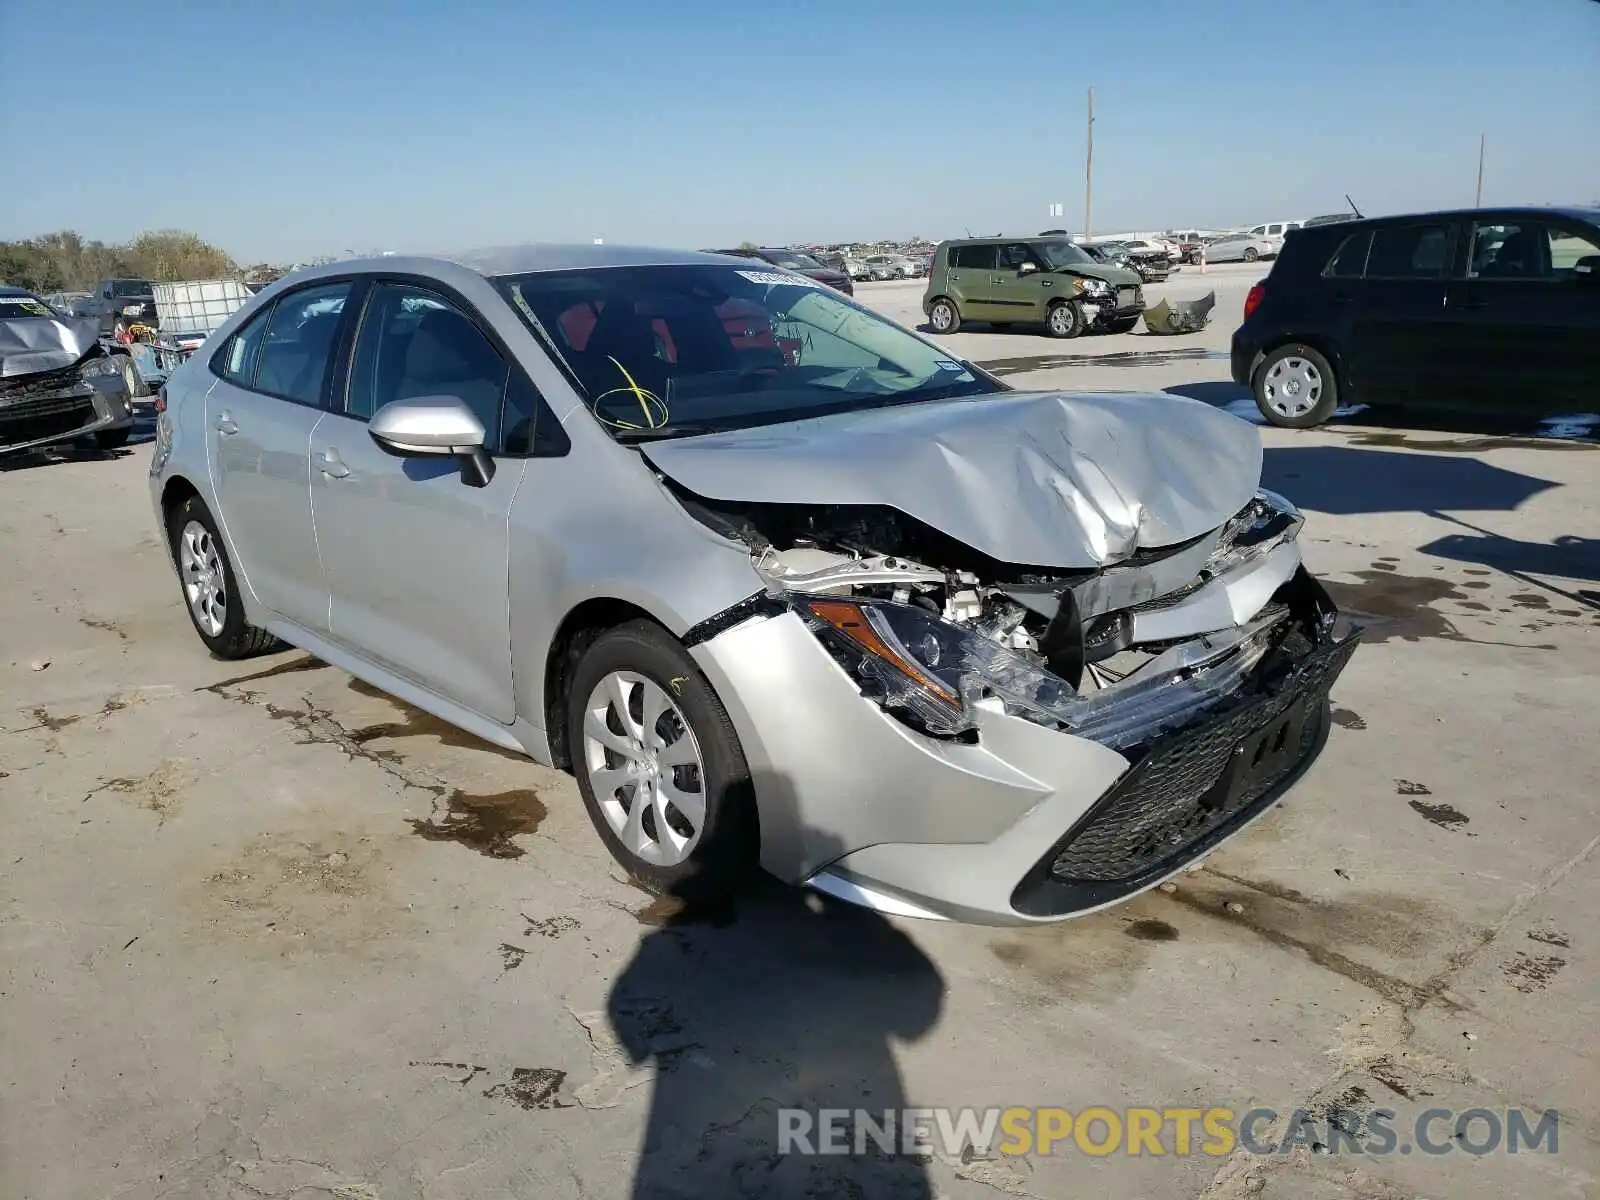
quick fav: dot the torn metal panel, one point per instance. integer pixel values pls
(1053, 480)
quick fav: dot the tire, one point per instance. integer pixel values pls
(943, 316)
(231, 637)
(111, 439)
(1064, 320)
(635, 663)
(1250, 254)
(1295, 387)
(130, 378)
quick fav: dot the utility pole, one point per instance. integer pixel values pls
(1088, 174)
(1482, 139)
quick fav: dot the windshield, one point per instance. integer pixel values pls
(792, 259)
(23, 306)
(1061, 254)
(658, 351)
(121, 288)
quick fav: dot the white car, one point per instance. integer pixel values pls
(1275, 229)
(891, 266)
(1242, 247)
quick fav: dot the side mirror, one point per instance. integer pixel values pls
(1587, 267)
(1027, 268)
(434, 427)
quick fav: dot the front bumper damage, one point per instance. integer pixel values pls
(1018, 821)
(57, 383)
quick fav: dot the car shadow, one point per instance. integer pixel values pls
(785, 1000)
(1348, 480)
(1568, 556)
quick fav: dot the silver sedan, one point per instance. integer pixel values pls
(782, 583)
(1242, 247)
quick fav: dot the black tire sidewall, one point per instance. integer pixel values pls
(726, 853)
(1330, 387)
(235, 632)
(1077, 319)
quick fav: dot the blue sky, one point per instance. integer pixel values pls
(285, 130)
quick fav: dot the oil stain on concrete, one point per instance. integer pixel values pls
(1400, 607)
(414, 723)
(485, 823)
(1442, 815)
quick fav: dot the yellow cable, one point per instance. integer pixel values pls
(644, 397)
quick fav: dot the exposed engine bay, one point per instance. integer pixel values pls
(936, 631)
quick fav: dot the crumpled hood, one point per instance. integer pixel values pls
(1116, 276)
(1066, 480)
(29, 345)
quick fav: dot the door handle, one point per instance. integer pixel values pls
(225, 423)
(329, 464)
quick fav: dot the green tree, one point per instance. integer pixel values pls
(748, 245)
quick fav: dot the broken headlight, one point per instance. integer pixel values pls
(1261, 526)
(928, 670)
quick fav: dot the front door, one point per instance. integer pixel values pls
(417, 559)
(260, 415)
(968, 278)
(1530, 321)
(1400, 332)
(1019, 294)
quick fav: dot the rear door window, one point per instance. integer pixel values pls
(1350, 261)
(977, 258)
(1409, 252)
(298, 348)
(236, 362)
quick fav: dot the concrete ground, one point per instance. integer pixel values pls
(267, 933)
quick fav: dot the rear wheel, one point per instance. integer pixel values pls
(659, 765)
(210, 591)
(1251, 254)
(1064, 320)
(944, 317)
(1295, 387)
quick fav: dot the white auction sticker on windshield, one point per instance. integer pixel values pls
(945, 364)
(773, 277)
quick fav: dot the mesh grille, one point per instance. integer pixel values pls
(1179, 793)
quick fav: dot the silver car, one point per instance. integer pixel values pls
(781, 582)
(1242, 247)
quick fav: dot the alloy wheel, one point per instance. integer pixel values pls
(941, 318)
(1062, 320)
(1292, 386)
(645, 767)
(205, 584)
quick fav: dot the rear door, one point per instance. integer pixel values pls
(272, 385)
(969, 278)
(1530, 323)
(1401, 336)
(416, 557)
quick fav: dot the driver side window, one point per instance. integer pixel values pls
(415, 343)
(1014, 255)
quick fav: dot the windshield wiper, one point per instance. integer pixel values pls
(660, 432)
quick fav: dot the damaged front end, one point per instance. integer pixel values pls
(57, 382)
(1119, 655)
(1203, 666)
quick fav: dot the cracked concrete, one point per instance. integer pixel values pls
(266, 933)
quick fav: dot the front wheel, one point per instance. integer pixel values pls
(660, 767)
(1065, 320)
(210, 589)
(1295, 387)
(944, 317)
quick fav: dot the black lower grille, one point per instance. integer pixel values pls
(1190, 789)
(32, 420)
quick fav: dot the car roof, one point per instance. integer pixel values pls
(1590, 216)
(493, 261)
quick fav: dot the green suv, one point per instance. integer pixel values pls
(1042, 279)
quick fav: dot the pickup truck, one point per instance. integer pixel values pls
(120, 302)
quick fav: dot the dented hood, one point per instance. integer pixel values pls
(1073, 481)
(29, 345)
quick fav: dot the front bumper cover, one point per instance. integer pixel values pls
(999, 832)
(43, 412)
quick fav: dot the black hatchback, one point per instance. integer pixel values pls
(1486, 309)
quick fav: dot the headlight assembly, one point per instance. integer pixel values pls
(1261, 526)
(1094, 287)
(105, 364)
(913, 663)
